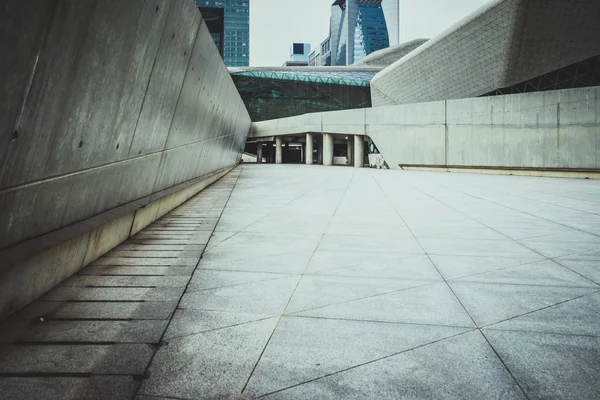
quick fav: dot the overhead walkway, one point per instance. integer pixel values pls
(328, 283)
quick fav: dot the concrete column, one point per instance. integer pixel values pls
(327, 149)
(350, 149)
(278, 150)
(359, 150)
(320, 151)
(302, 152)
(309, 149)
(259, 151)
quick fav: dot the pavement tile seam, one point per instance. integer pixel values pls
(178, 337)
(510, 372)
(572, 270)
(294, 291)
(491, 328)
(262, 218)
(493, 270)
(460, 280)
(245, 258)
(238, 284)
(468, 330)
(229, 191)
(430, 260)
(543, 308)
(523, 212)
(429, 282)
(468, 216)
(552, 204)
(101, 316)
(377, 321)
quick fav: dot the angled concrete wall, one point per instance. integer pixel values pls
(106, 106)
(503, 43)
(553, 130)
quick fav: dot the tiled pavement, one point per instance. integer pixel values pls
(94, 336)
(327, 282)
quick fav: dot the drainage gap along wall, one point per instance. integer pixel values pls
(112, 114)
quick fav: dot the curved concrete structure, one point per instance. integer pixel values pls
(503, 43)
(106, 108)
(386, 57)
(552, 130)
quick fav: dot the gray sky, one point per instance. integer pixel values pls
(276, 24)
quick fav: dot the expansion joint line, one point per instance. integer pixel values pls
(295, 288)
(450, 287)
(161, 340)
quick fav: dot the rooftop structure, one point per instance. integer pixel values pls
(386, 57)
(507, 46)
(271, 93)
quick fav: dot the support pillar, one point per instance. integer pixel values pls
(359, 150)
(309, 149)
(320, 151)
(278, 150)
(350, 150)
(259, 152)
(327, 149)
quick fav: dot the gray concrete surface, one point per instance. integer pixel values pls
(544, 130)
(503, 43)
(327, 283)
(128, 98)
(104, 109)
(94, 335)
(332, 282)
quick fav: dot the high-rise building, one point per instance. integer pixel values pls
(299, 55)
(360, 27)
(229, 24)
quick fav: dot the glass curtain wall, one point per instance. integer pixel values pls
(371, 32)
(234, 41)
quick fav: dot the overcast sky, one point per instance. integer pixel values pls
(276, 24)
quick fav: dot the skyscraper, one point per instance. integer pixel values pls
(360, 27)
(229, 24)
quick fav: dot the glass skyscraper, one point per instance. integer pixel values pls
(229, 24)
(360, 27)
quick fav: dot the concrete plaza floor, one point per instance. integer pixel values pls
(342, 283)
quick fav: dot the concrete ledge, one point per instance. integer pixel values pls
(547, 173)
(27, 271)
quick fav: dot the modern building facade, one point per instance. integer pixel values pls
(271, 93)
(229, 24)
(505, 47)
(299, 52)
(360, 27)
(299, 55)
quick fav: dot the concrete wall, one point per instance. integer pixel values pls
(503, 43)
(105, 106)
(542, 130)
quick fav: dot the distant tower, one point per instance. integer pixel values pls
(360, 27)
(299, 55)
(229, 24)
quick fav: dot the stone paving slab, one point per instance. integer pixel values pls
(94, 335)
(96, 387)
(137, 271)
(390, 300)
(160, 294)
(329, 283)
(120, 359)
(131, 331)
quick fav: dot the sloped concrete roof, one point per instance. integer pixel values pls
(503, 43)
(386, 57)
